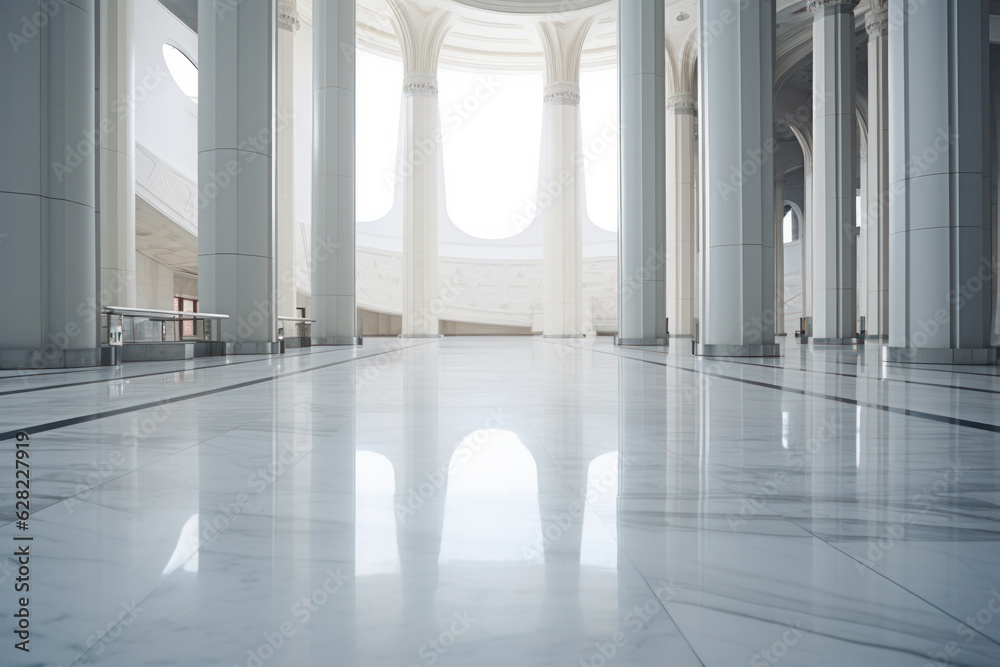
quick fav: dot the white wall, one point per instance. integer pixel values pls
(154, 283)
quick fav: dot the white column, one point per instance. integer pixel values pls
(995, 185)
(333, 245)
(779, 256)
(834, 131)
(560, 192)
(737, 145)
(288, 24)
(642, 228)
(235, 171)
(117, 159)
(877, 210)
(48, 234)
(682, 212)
(940, 264)
(421, 33)
(806, 234)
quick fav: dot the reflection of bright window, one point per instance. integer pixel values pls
(379, 88)
(485, 466)
(599, 124)
(375, 519)
(184, 72)
(597, 547)
(492, 127)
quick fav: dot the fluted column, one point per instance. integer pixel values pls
(940, 228)
(236, 171)
(560, 191)
(642, 228)
(877, 210)
(737, 146)
(421, 32)
(682, 155)
(48, 235)
(117, 160)
(288, 24)
(834, 133)
(333, 213)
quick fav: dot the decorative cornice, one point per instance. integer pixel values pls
(832, 6)
(420, 83)
(877, 23)
(562, 92)
(683, 103)
(288, 15)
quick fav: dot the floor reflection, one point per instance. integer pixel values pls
(528, 502)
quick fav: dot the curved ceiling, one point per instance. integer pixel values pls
(529, 6)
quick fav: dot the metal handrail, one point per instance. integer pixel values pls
(151, 313)
(295, 319)
(201, 325)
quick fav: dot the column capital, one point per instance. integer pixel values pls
(877, 23)
(420, 83)
(562, 43)
(820, 7)
(421, 32)
(683, 103)
(288, 15)
(562, 92)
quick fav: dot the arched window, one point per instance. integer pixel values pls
(379, 91)
(492, 126)
(599, 131)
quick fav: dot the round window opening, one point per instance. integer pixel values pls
(184, 71)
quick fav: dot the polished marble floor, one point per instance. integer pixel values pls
(507, 501)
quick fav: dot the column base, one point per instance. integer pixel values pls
(951, 357)
(563, 336)
(643, 341)
(708, 350)
(834, 341)
(34, 359)
(421, 335)
(335, 340)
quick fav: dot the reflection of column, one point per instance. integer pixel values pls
(681, 212)
(421, 493)
(334, 470)
(48, 253)
(779, 256)
(235, 171)
(939, 244)
(288, 23)
(737, 288)
(117, 161)
(834, 131)
(642, 229)
(560, 191)
(421, 33)
(333, 246)
(877, 164)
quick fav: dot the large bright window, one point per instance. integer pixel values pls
(379, 90)
(492, 125)
(599, 118)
